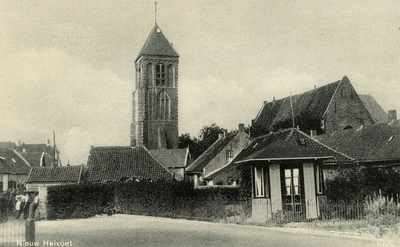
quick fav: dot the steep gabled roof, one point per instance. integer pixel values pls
(314, 101)
(375, 110)
(65, 174)
(171, 158)
(116, 163)
(379, 142)
(12, 162)
(289, 144)
(35, 158)
(209, 154)
(157, 45)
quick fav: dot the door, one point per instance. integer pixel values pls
(293, 196)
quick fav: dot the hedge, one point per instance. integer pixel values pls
(163, 198)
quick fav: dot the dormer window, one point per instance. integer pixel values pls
(229, 155)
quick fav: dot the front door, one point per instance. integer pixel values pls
(293, 198)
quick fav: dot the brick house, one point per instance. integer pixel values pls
(14, 169)
(377, 145)
(337, 106)
(218, 155)
(109, 164)
(176, 160)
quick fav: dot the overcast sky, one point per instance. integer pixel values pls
(68, 66)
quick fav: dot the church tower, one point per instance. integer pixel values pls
(155, 97)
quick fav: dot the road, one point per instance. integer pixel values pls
(130, 230)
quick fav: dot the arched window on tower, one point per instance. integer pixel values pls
(160, 75)
(163, 105)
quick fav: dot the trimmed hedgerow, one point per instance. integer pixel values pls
(162, 198)
(78, 201)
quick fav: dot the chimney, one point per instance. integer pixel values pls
(48, 143)
(392, 116)
(313, 133)
(265, 102)
(19, 143)
(241, 127)
(273, 99)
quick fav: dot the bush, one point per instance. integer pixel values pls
(162, 198)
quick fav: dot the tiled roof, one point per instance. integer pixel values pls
(375, 110)
(314, 101)
(379, 142)
(157, 44)
(12, 162)
(282, 149)
(116, 163)
(210, 153)
(289, 144)
(34, 158)
(35, 148)
(55, 174)
(171, 158)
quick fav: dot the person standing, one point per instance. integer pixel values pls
(3, 208)
(18, 207)
(26, 199)
(35, 203)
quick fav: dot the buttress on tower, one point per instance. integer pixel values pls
(155, 97)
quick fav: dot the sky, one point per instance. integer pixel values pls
(68, 66)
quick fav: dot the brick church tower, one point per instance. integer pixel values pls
(155, 97)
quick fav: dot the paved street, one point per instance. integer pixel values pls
(128, 230)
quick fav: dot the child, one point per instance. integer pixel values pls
(18, 207)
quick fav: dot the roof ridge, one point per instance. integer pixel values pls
(334, 150)
(333, 95)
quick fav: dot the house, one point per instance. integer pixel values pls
(336, 106)
(36, 154)
(286, 173)
(14, 169)
(377, 145)
(40, 178)
(121, 163)
(219, 154)
(375, 110)
(176, 160)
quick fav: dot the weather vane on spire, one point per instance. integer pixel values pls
(155, 12)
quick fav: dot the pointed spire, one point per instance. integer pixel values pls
(157, 45)
(155, 12)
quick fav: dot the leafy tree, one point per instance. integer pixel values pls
(356, 183)
(185, 141)
(208, 135)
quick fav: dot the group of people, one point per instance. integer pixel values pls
(19, 202)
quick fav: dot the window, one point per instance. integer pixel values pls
(229, 155)
(320, 179)
(160, 75)
(261, 182)
(163, 106)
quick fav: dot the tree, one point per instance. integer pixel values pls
(356, 183)
(185, 141)
(207, 136)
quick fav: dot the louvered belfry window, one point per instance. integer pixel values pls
(160, 75)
